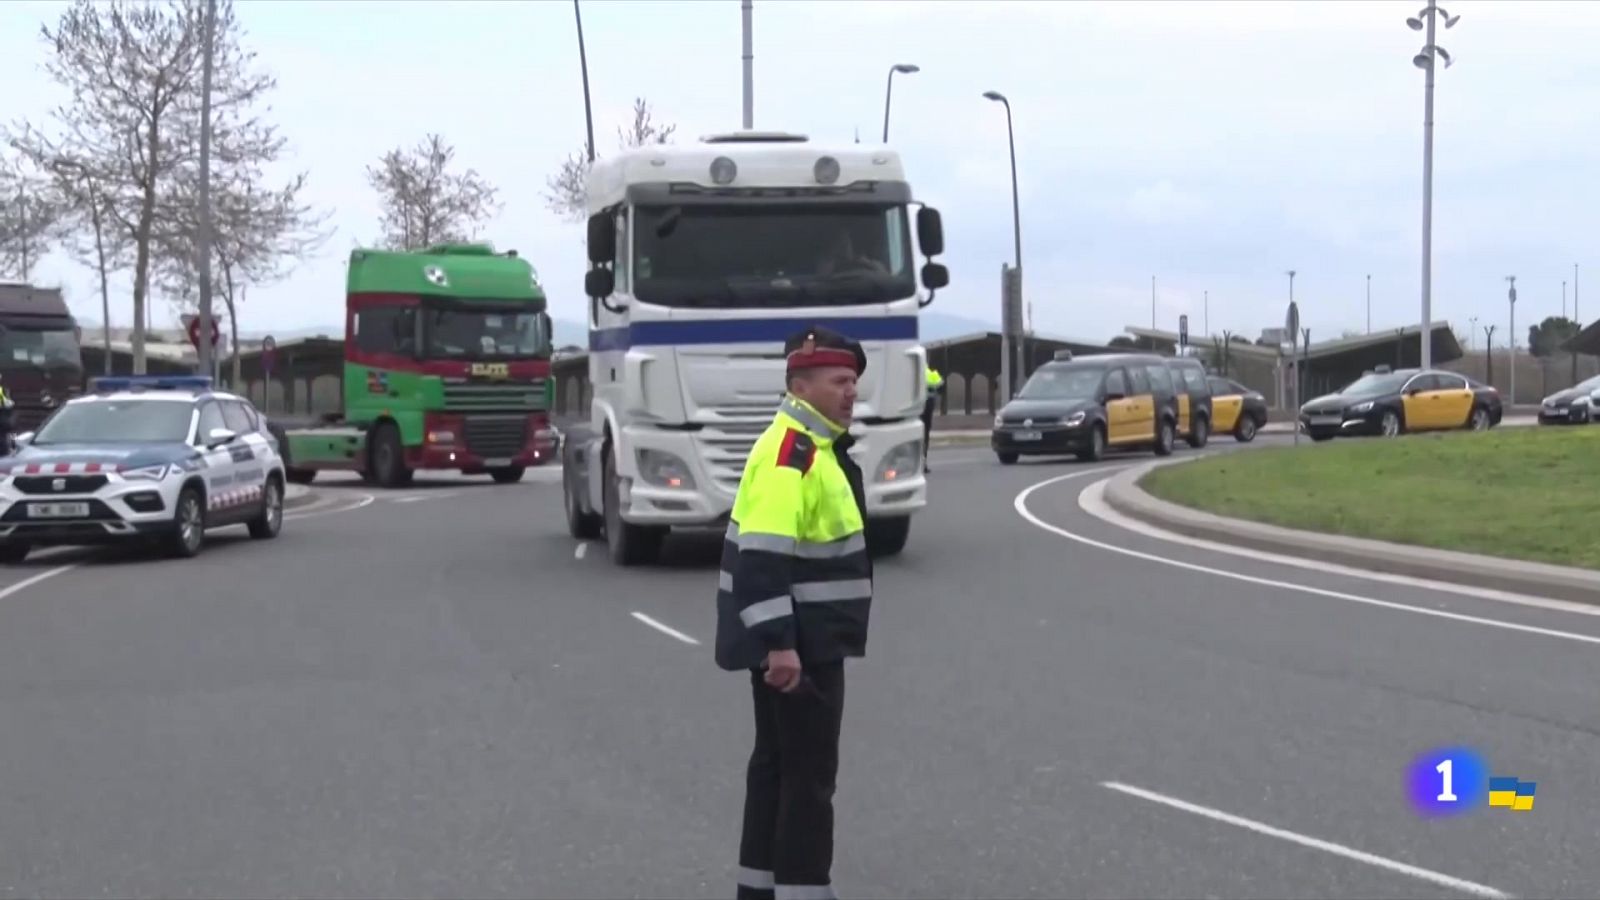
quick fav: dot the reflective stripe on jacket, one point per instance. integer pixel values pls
(796, 574)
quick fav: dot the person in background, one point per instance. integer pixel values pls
(935, 390)
(7, 407)
(793, 600)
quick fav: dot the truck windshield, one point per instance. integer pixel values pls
(118, 421)
(465, 333)
(39, 348)
(741, 255)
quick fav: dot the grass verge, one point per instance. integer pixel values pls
(1521, 493)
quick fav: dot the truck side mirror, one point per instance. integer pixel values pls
(935, 276)
(602, 239)
(930, 231)
(599, 283)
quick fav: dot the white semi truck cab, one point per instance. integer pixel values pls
(703, 259)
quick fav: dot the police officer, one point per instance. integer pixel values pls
(935, 388)
(792, 604)
(7, 406)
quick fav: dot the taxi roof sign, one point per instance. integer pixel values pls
(1063, 355)
(108, 383)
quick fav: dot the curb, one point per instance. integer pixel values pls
(297, 495)
(1123, 494)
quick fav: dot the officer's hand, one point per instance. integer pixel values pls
(783, 670)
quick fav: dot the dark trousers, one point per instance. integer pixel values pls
(786, 849)
(927, 426)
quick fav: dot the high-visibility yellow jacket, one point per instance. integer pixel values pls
(796, 574)
(935, 380)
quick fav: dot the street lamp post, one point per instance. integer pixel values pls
(888, 92)
(1205, 320)
(1472, 333)
(204, 349)
(1369, 304)
(1424, 60)
(1016, 223)
(1488, 353)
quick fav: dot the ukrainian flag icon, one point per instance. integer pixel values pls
(1511, 794)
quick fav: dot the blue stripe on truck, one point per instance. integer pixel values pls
(742, 331)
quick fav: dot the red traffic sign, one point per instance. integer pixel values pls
(194, 332)
(269, 354)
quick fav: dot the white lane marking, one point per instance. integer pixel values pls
(365, 501)
(408, 499)
(32, 580)
(671, 632)
(1092, 501)
(579, 551)
(1021, 506)
(1361, 856)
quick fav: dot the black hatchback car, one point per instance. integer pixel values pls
(1085, 406)
(1389, 403)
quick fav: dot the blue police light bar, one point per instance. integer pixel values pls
(109, 383)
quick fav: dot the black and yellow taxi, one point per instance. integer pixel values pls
(1392, 402)
(1087, 405)
(1236, 409)
(1193, 389)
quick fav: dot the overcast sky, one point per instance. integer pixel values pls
(1212, 145)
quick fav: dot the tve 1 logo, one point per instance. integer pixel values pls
(1451, 780)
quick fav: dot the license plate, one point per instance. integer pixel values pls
(58, 510)
(1327, 420)
(1026, 435)
(497, 462)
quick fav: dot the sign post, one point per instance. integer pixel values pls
(269, 361)
(1291, 324)
(1183, 333)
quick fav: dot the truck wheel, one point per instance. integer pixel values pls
(630, 545)
(582, 525)
(188, 525)
(269, 521)
(388, 457)
(887, 537)
(507, 475)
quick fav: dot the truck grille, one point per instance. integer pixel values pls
(726, 442)
(481, 397)
(496, 437)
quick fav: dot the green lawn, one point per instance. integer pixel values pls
(1527, 493)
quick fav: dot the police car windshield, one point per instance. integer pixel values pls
(1065, 383)
(748, 255)
(117, 422)
(1378, 384)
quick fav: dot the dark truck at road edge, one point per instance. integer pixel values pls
(41, 364)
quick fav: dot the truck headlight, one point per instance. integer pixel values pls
(664, 469)
(901, 462)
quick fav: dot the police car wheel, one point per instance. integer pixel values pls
(269, 521)
(11, 553)
(188, 525)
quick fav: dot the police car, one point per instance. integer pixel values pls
(158, 458)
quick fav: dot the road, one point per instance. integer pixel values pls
(435, 692)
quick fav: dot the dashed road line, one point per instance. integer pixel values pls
(666, 630)
(1381, 862)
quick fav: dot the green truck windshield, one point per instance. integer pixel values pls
(456, 333)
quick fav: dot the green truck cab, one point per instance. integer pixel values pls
(446, 366)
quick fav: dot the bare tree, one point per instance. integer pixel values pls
(567, 189)
(90, 236)
(257, 235)
(32, 216)
(424, 203)
(133, 73)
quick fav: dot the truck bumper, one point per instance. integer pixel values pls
(890, 457)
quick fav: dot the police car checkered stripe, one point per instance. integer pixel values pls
(77, 468)
(235, 497)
